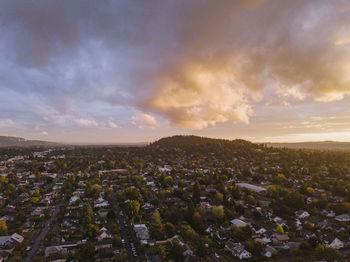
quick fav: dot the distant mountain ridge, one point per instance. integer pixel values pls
(11, 141)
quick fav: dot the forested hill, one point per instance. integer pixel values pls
(197, 143)
(10, 141)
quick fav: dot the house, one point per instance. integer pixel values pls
(240, 252)
(277, 220)
(229, 246)
(188, 253)
(28, 227)
(292, 245)
(260, 231)
(105, 243)
(337, 244)
(50, 175)
(18, 238)
(54, 250)
(343, 218)
(205, 205)
(238, 223)
(223, 234)
(251, 187)
(14, 238)
(73, 199)
(4, 255)
(147, 206)
(269, 251)
(104, 234)
(37, 212)
(8, 244)
(302, 214)
(101, 203)
(141, 231)
(280, 239)
(103, 213)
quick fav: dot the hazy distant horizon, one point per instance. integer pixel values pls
(153, 140)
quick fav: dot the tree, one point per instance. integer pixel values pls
(96, 189)
(3, 228)
(189, 233)
(218, 213)
(38, 258)
(111, 215)
(34, 200)
(133, 194)
(168, 181)
(250, 199)
(310, 190)
(279, 229)
(281, 179)
(196, 192)
(236, 192)
(133, 207)
(157, 225)
(197, 220)
(161, 251)
(331, 254)
(86, 252)
(88, 214)
(328, 253)
(36, 193)
(170, 229)
(176, 252)
(92, 230)
(219, 198)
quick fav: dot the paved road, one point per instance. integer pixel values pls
(43, 233)
(124, 230)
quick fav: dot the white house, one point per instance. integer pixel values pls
(260, 231)
(302, 214)
(244, 254)
(141, 231)
(337, 244)
(238, 223)
(343, 218)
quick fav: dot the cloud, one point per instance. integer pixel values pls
(202, 97)
(44, 133)
(194, 63)
(222, 66)
(87, 122)
(6, 123)
(111, 124)
(144, 120)
(93, 123)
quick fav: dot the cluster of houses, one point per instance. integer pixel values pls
(168, 203)
(8, 244)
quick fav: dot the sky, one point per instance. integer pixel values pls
(135, 71)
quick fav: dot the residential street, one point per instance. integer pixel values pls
(43, 233)
(124, 231)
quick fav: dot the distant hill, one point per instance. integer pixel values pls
(324, 145)
(10, 141)
(193, 143)
(199, 144)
